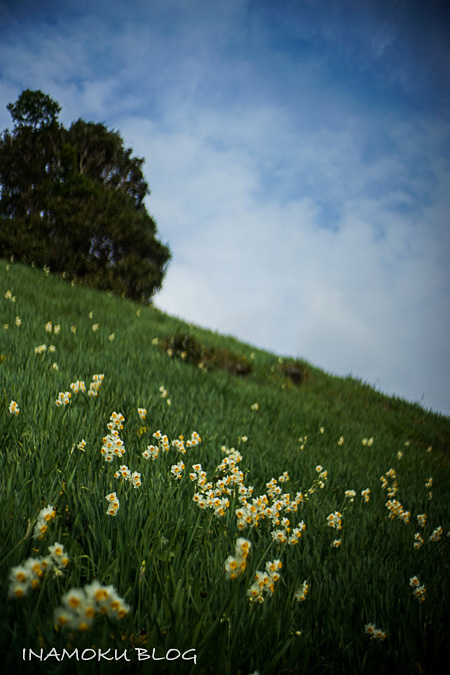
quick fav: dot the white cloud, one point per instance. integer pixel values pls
(351, 299)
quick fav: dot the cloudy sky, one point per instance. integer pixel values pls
(298, 156)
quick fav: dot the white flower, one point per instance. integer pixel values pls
(14, 408)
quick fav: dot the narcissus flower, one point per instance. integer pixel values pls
(264, 582)
(113, 504)
(63, 398)
(236, 565)
(28, 575)
(335, 520)
(375, 633)
(177, 469)
(300, 594)
(436, 535)
(78, 386)
(82, 606)
(45, 516)
(422, 519)
(14, 408)
(418, 541)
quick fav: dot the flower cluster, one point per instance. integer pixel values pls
(45, 516)
(10, 296)
(391, 489)
(265, 581)
(300, 594)
(319, 482)
(49, 328)
(252, 510)
(210, 496)
(350, 494)
(163, 394)
(153, 451)
(418, 541)
(396, 510)
(142, 412)
(373, 632)
(77, 386)
(124, 472)
(113, 445)
(216, 495)
(95, 384)
(236, 565)
(41, 349)
(28, 575)
(422, 519)
(367, 441)
(81, 606)
(181, 446)
(177, 469)
(113, 504)
(283, 536)
(63, 398)
(14, 408)
(335, 520)
(436, 535)
(365, 494)
(116, 421)
(419, 591)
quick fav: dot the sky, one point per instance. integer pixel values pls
(298, 157)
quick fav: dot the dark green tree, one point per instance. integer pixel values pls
(73, 199)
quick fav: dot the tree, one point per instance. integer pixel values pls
(34, 109)
(73, 199)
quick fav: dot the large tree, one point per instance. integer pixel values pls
(73, 199)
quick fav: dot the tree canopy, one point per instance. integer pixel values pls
(73, 200)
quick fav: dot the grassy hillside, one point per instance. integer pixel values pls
(170, 548)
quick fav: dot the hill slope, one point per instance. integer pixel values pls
(192, 380)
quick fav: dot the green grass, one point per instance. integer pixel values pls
(163, 554)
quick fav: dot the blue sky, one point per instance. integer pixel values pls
(298, 159)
